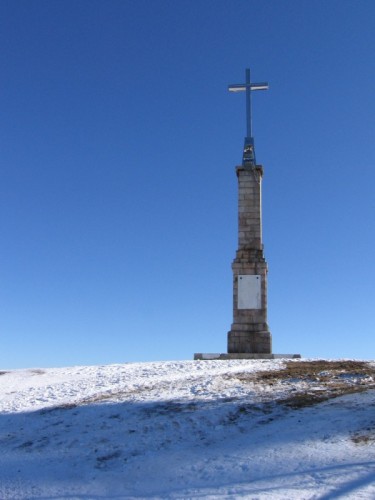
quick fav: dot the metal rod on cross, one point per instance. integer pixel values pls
(248, 87)
(248, 105)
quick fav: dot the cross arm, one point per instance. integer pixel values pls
(260, 86)
(238, 87)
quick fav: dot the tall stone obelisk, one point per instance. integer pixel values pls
(249, 332)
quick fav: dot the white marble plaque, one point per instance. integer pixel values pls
(249, 291)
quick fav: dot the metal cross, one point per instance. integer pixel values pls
(248, 87)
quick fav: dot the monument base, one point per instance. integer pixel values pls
(243, 355)
(250, 338)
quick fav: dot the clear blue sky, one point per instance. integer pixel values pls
(118, 194)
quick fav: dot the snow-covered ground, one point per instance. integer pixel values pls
(189, 429)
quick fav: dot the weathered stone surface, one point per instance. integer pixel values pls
(249, 332)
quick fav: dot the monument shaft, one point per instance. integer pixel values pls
(249, 332)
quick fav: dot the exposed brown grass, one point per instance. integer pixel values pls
(364, 438)
(302, 399)
(315, 381)
(320, 370)
(62, 407)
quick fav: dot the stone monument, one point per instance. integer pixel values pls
(249, 336)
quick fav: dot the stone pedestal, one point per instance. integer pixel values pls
(249, 332)
(242, 355)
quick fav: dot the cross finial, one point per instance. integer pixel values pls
(249, 151)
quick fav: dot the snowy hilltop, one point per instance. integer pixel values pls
(278, 429)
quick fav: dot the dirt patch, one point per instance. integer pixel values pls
(365, 437)
(62, 407)
(314, 381)
(37, 371)
(304, 399)
(106, 396)
(318, 370)
(102, 461)
(25, 445)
